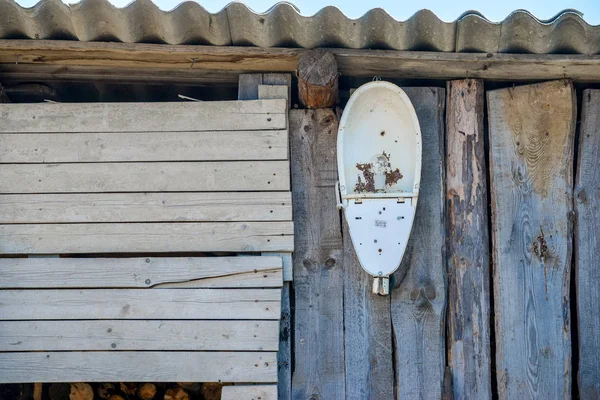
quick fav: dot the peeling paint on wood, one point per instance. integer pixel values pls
(468, 247)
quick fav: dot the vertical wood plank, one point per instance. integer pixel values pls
(587, 246)
(318, 274)
(367, 333)
(532, 130)
(468, 249)
(418, 304)
(248, 86)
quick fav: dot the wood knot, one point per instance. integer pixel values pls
(540, 246)
(330, 262)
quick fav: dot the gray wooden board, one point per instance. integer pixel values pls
(140, 304)
(367, 333)
(147, 366)
(145, 207)
(144, 117)
(284, 356)
(587, 246)
(318, 273)
(248, 86)
(24, 273)
(145, 177)
(138, 335)
(418, 304)
(143, 146)
(146, 237)
(468, 242)
(532, 130)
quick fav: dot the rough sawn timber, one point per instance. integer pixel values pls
(418, 303)
(587, 245)
(145, 366)
(146, 237)
(367, 332)
(318, 272)
(72, 60)
(146, 272)
(144, 117)
(468, 242)
(532, 131)
(145, 207)
(146, 335)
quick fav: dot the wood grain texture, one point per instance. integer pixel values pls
(143, 117)
(143, 146)
(468, 242)
(317, 79)
(587, 245)
(146, 237)
(367, 332)
(145, 177)
(147, 366)
(318, 275)
(418, 304)
(532, 130)
(140, 62)
(140, 304)
(138, 335)
(255, 392)
(40, 273)
(145, 207)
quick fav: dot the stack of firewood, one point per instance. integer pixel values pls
(112, 391)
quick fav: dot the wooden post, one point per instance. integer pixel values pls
(419, 302)
(587, 246)
(318, 273)
(317, 79)
(468, 248)
(532, 130)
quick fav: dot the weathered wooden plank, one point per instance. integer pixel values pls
(255, 392)
(140, 304)
(532, 130)
(248, 86)
(144, 117)
(367, 333)
(147, 366)
(318, 273)
(284, 355)
(139, 335)
(156, 62)
(23, 273)
(143, 146)
(146, 237)
(468, 247)
(145, 177)
(418, 304)
(587, 245)
(286, 259)
(145, 207)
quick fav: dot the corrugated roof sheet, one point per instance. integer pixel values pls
(283, 26)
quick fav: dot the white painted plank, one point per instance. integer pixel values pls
(143, 146)
(144, 117)
(145, 177)
(145, 207)
(140, 304)
(249, 392)
(147, 366)
(146, 237)
(27, 273)
(139, 335)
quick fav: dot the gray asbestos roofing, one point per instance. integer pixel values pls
(283, 26)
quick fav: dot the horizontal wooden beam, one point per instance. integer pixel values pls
(70, 60)
(146, 366)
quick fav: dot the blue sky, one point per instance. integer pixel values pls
(447, 10)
